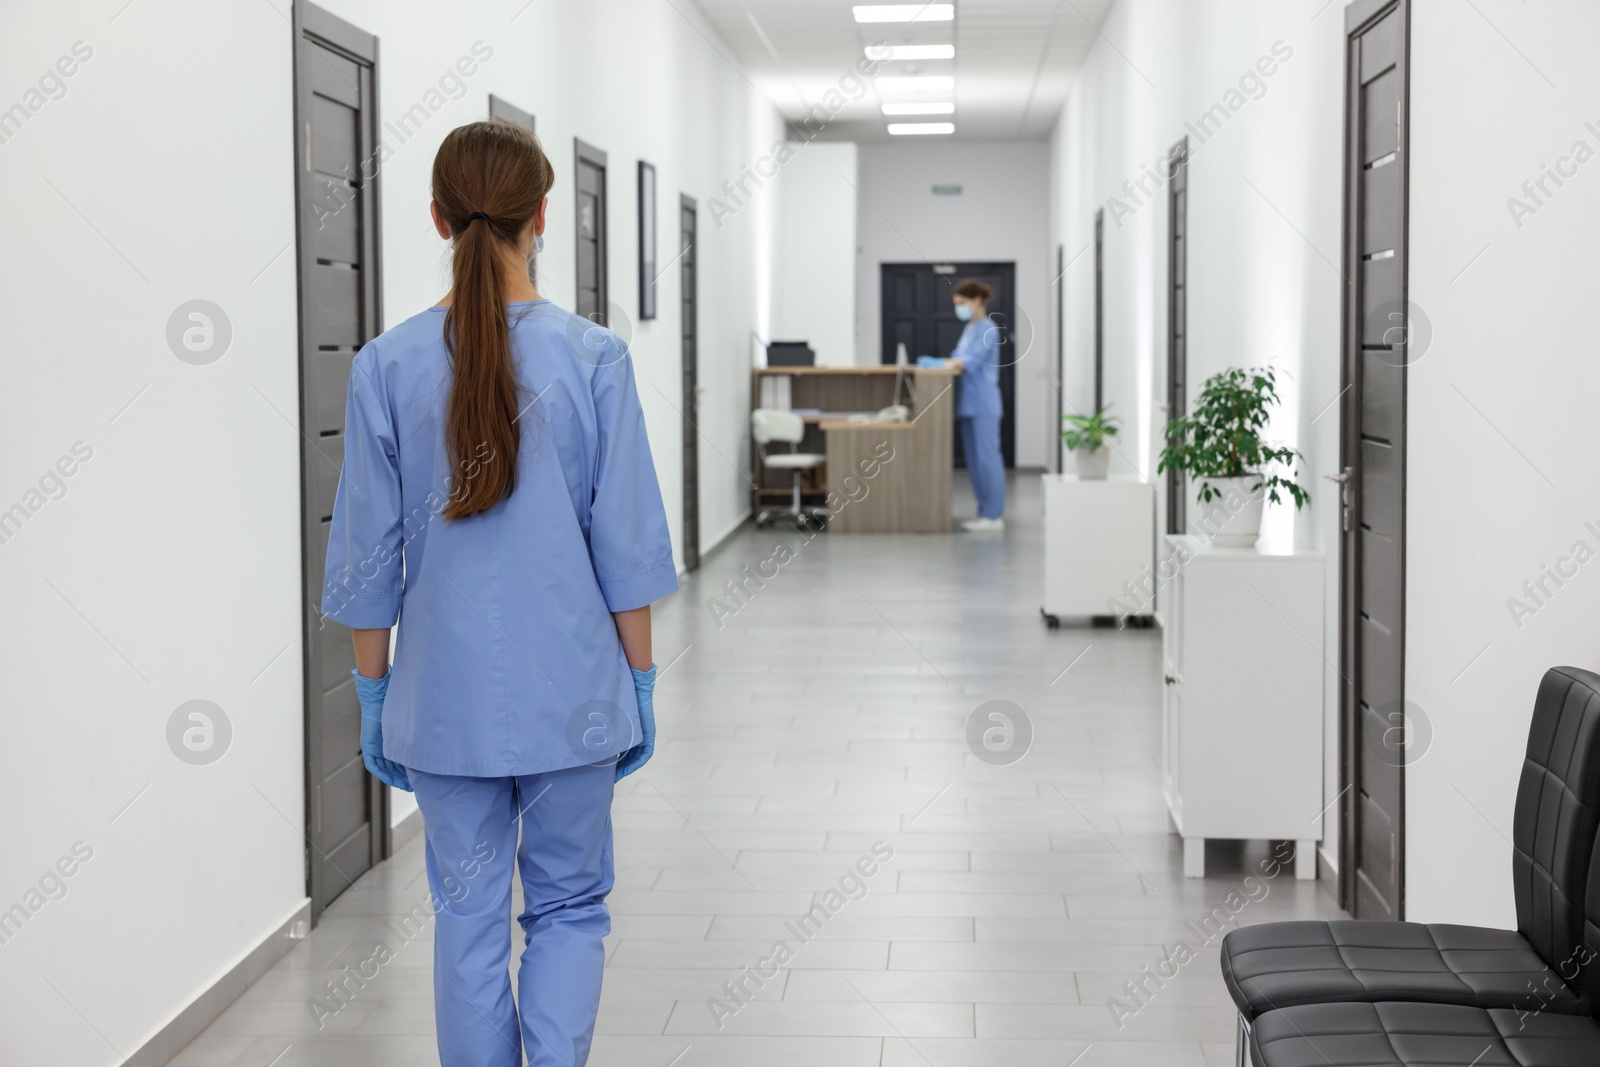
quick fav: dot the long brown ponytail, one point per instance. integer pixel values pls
(488, 181)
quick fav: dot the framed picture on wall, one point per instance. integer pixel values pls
(647, 240)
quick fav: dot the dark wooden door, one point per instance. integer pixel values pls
(335, 75)
(1177, 318)
(918, 312)
(509, 112)
(1377, 349)
(688, 268)
(593, 296)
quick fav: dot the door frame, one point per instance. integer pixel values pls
(1359, 16)
(689, 277)
(648, 245)
(587, 153)
(1061, 356)
(1177, 332)
(336, 35)
(1099, 308)
(950, 270)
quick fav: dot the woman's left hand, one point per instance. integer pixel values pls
(644, 688)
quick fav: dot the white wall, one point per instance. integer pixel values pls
(1498, 481)
(1002, 214)
(658, 91)
(1263, 217)
(813, 276)
(170, 568)
(170, 571)
(1501, 477)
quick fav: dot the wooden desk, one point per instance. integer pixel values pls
(907, 492)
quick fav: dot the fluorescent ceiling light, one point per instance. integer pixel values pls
(919, 109)
(910, 51)
(904, 12)
(934, 81)
(901, 128)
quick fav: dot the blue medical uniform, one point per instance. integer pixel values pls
(565, 861)
(510, 694)
(978, 412)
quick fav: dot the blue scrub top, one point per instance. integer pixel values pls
(978, 352)
(507, 647)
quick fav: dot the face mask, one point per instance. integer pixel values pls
(533, 253)
(964, 312)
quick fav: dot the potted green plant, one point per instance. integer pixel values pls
(1087, 436)
(1219, 444)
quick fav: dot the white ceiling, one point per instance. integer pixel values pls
(1014, 60)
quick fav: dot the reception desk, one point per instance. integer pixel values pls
(880, 477)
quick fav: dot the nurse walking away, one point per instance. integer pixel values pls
(498, 499)
(978, 408)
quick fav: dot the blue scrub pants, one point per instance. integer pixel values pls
(565, 861)
(980, 443)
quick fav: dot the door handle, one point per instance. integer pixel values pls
(1345, 479)
(1169, 680)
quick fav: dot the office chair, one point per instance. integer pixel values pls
(768, 425)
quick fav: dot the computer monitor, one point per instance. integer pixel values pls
(790, 354)
(905, 387)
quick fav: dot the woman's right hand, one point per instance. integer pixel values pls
(370, 692)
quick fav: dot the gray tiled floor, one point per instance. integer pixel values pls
(828, 713)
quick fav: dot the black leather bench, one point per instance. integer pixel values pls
(1411, 1034)
(1356, 985)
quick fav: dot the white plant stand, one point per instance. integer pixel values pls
(1241, 743)
(1098, 535)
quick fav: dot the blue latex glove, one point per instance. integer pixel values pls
(370, 692)
(929, 361)
(644, 690)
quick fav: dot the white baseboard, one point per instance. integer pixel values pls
(1327, 877)
(405, 830)
(716, 542)
(728, 532)
(201, 1012)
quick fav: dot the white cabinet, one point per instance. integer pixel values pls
(1099, 545)
(1241, 738)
